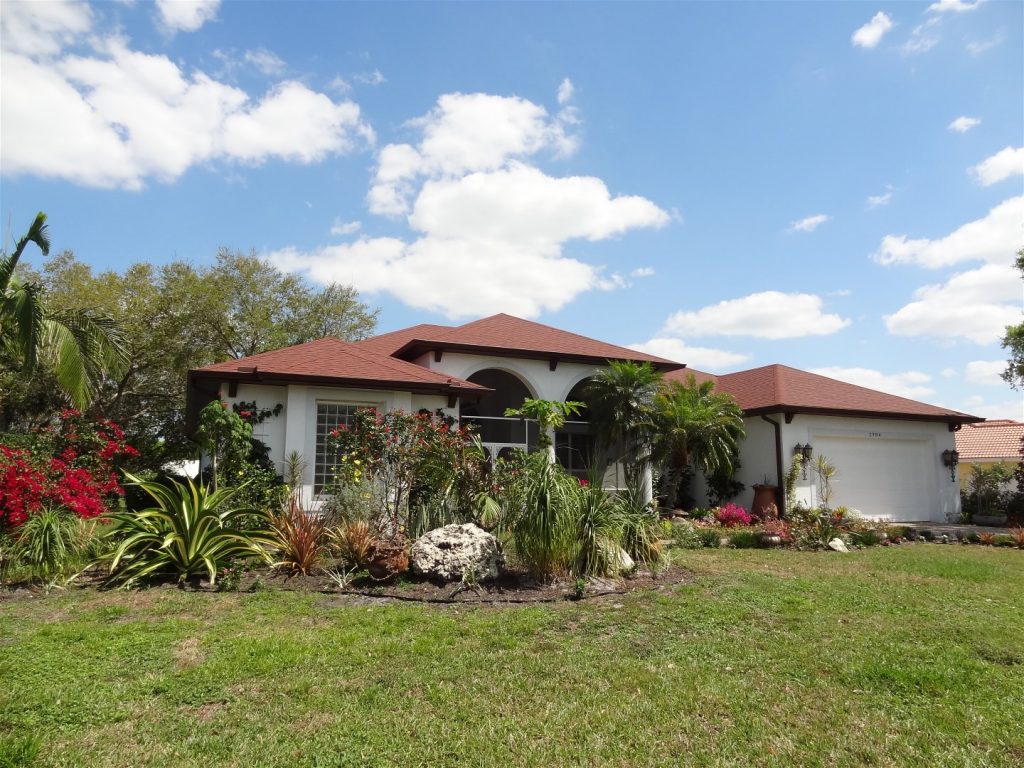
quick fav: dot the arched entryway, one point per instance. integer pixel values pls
(574, 442)
(500, 434)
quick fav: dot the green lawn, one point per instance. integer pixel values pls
(910, 656)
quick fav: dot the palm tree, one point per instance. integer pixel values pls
(81, 346)
(620, 400)
(695, 425)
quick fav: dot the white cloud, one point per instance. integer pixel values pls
(376, 77)
(978, 47)
(642, 272)
(186, 15)
(42, 29)
(954, 6)
(810, 223)
(117, 117)
(922, 39)
(565, 91)
(339, 85)
(489, 228)
(703, 358)
(999, 167)
(523, 205)
(963, 124)
(985, 372)
(871, 33)
(877, 201)
(265, 61)
(948, 373)
(458, 278)
(977, 405)
(993, 238)
(766, 315)
(912, 384)
(462, 134)
(976, 305)
(339, 227)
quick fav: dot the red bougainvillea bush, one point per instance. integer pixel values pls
(71, 464)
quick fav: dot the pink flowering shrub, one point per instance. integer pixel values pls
(731, 515)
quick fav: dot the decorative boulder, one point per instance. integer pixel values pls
(450, 552)
(838, 545)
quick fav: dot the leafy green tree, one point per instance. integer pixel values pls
(178, 316)
(549, 415)
(694, 425)
(621, 405)
(1013, 342)
(78, 344)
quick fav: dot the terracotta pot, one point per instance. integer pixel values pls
(765, 504)
(387, 561)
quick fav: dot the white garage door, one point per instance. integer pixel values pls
(881, 477)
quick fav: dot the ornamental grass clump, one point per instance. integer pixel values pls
(191, 532)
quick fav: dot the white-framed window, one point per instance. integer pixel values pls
(329, 416)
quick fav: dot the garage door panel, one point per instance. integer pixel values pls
(880, 477)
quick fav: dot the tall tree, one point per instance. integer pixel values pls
(178, 316)
(1013, 342)
(694, 425)
(621, 402)
(78, 344)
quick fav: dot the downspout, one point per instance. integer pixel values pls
(778, 464)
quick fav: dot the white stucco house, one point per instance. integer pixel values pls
(888, 449)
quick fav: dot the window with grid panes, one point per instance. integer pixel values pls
(329, 416)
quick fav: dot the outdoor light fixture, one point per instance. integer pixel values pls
(951, 459)
(805, 452)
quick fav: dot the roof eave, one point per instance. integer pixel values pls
(417, 347)
(270, 377)
(950, 418)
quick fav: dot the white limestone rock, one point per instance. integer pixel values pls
(838, 545)
(450, 552)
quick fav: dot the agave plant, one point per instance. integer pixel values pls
(190, 532)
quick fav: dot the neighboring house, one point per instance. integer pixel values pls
(888, 449)
(982, 445)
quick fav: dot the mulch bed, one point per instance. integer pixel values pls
(511, 588)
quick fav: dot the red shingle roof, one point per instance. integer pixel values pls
(996, 439)
(391, 342)
(332, 360)
(779, 388)
(514, 337)
(683, 374)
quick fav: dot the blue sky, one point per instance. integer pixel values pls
(834, 186)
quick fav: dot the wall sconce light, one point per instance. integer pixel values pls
(805, 452)
(951, 459)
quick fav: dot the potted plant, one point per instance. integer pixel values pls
(766, 501)
(387, 559)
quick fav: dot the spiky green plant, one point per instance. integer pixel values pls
(598, 527)
(537, 510)
(48, 543)
(641, 533)
(192, 531)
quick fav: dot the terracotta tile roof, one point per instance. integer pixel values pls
(996, 439)
(512, 336)
(391, 342)
(775, 388)
(331, 360)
